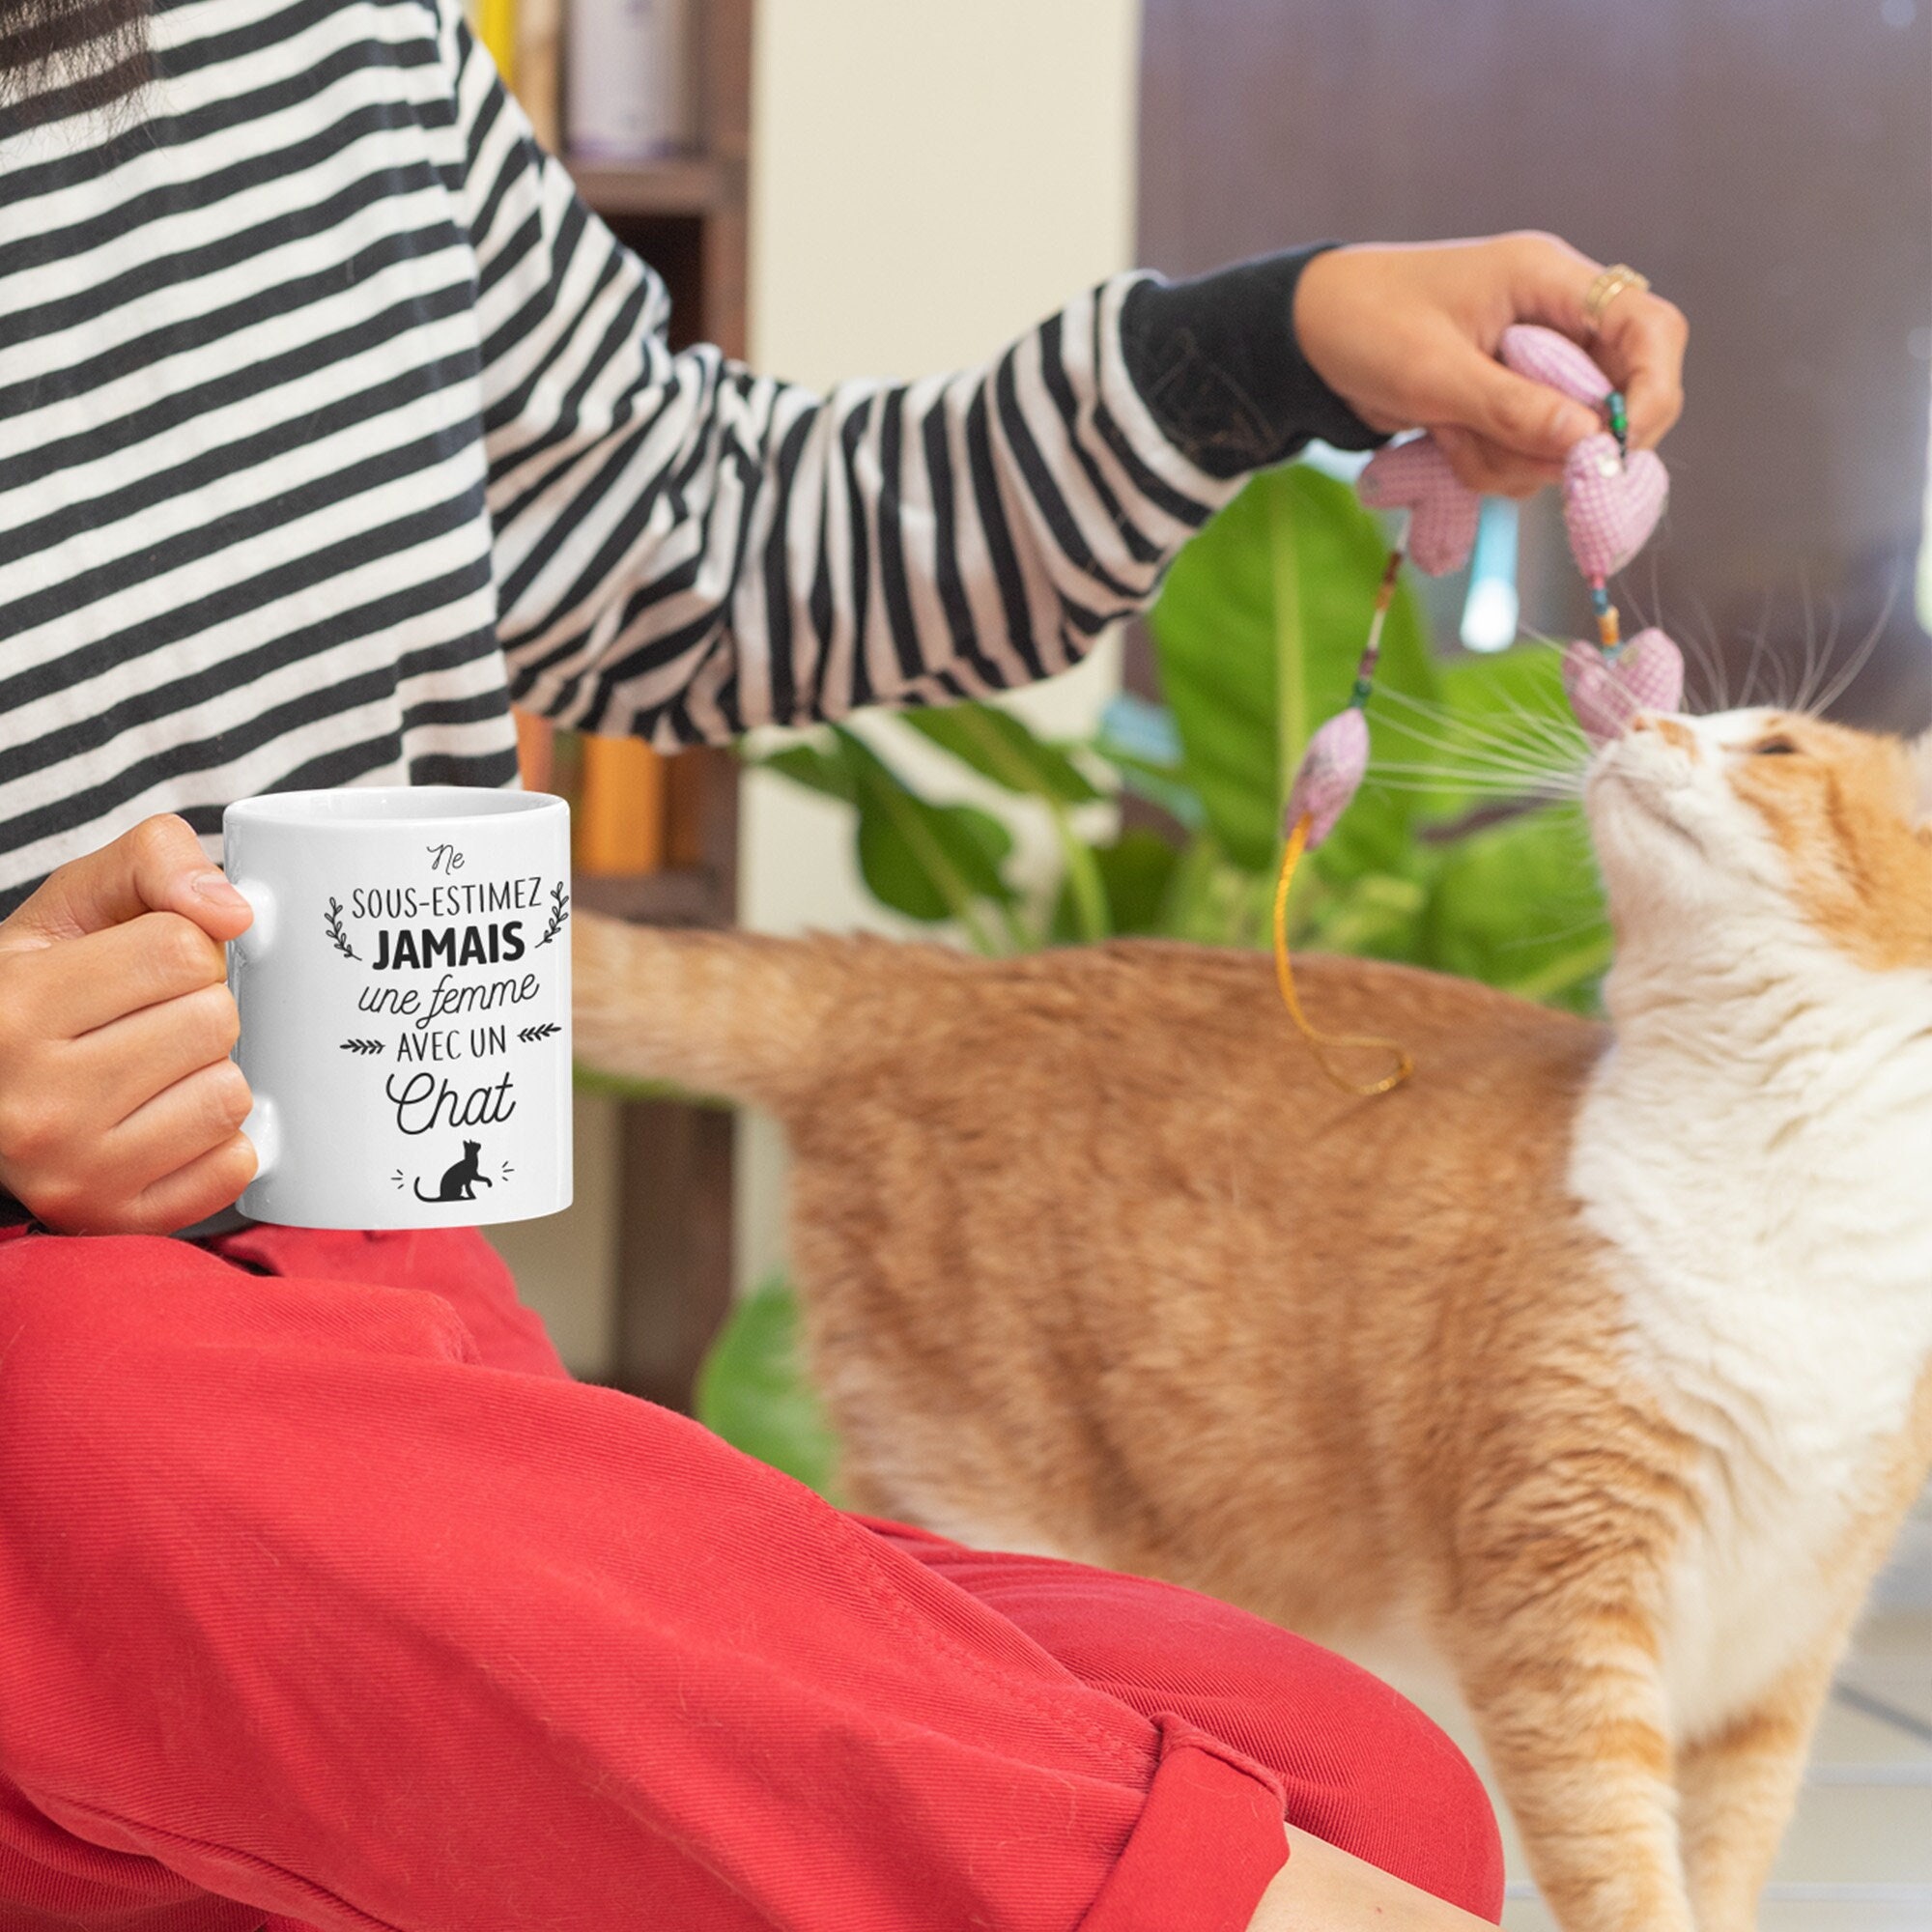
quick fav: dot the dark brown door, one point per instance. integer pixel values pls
(1767, 162)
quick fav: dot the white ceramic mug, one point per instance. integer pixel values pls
(405, 998)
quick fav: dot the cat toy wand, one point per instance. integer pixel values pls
(1611, 502)
(1329, 775)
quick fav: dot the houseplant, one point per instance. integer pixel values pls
(1463, 853)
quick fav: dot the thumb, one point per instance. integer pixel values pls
(158, 867)
(1527, 417)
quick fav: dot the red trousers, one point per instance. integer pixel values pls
(328, 1600)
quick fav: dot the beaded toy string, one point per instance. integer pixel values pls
(1326, 1045)
(1611, 502)
(1610, 626)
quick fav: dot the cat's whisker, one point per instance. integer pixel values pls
(1862, 655)
(1495, 771)
(1709, 655)
(1421, 778)
(1816, 666)
(1752, 665)
(1519, 760)
(1461, 759)
(1474, 774)
(1470, 730)
(1529, 941)
(1813, 662)
(1489, 771)
(1558, 731)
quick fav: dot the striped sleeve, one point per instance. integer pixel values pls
(685, 548)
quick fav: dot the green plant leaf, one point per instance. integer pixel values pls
(1501, 714)
(1259, 630)
(1136, 871)
(1213, 901)
(815, 768)
(1519, 905)
(929, 861)
(1378, 915)
(1000, 747)
(753, 1391)
(1155, 784)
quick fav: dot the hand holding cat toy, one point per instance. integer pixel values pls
(1612, 498)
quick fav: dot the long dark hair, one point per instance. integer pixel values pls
(69, 56)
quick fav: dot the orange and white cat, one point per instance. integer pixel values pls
(1601, 1353)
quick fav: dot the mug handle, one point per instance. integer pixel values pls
(263, 1125)
(264, 1135)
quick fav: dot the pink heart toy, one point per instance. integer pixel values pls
(1611, 504)
(1415, 476)
(1329, 775)
(1606, 692)
(1554, 360)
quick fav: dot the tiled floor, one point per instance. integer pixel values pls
(1858, 1855)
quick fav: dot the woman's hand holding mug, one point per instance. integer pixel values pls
(397, 991)
(120, 1109)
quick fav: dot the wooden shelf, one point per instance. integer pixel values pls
(685, 215)
(677, 184)
(682, 896)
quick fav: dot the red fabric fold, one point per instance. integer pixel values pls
(1206, 1846)
(325, 1595)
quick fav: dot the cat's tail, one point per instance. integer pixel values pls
(738, 1015)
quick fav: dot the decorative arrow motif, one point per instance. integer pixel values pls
(530, 1034)
(361, 1046)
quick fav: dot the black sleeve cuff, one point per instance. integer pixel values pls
(1216, 362)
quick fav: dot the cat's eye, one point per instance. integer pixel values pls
(1775, 748)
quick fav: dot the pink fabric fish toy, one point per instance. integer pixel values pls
(1612, 500)
(1605, 693)
(1443, 511)
(1329, 775)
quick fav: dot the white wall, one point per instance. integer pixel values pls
(931, 175)
(930, 178)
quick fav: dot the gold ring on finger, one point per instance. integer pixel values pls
(1607, 286)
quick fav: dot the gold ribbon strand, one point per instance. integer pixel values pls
(1326, 1045)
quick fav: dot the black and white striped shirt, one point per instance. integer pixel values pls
(331, 421)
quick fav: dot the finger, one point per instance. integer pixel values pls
(199, 1189)
(191, 1193)
(1481, 465)
(95, 980)
(124, 1065)
(1641, 346)
(1524, 419)
(176, 1126)
(1548, 281)
(157, 867)
(1637, 338)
